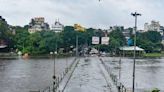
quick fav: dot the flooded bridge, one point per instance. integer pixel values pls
(98, 74)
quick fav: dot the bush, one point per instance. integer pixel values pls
(156, 90)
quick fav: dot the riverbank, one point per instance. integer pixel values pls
(8, 56)
(15, 56)
(153, 55)
(145, 55)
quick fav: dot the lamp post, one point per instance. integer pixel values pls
(134, 57)
(77, 41)
(78, 28)
(54, 75)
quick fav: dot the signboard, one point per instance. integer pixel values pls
(95, 40)
(105, 40)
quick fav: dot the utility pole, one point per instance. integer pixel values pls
(54, 76)
(77, 38)
(134, 58)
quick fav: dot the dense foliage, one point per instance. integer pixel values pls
(117, 40)
(150, 41)
(6, 37)
(45, 42)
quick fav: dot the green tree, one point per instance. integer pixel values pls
(117, 40)
(51, 41)
(20, 38)
(156, 90)
(69, 37)
(152, 36)
(150, 41)
(89, 33)
(6, 36)
(4, 30)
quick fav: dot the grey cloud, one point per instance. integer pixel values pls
(90, 13)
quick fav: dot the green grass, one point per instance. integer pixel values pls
(153, 55)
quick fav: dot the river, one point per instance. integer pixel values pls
(149, 72)
(19, 75)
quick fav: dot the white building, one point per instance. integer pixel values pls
(126, 33)
(57, 27)
(38, 24)
(153, 26)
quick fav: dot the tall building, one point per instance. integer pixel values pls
(57, 27)
(38, 24)
(153, 26)
(127, 32)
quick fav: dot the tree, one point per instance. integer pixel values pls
(21, 38)
(69, 37)
(89, 32)
(150, 41)
(51, 41)
(4, 30)
(153, 36)
(117, 40)
(156, 90)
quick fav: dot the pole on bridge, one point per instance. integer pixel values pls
(77, 38)
(134, 57)
(54, 75)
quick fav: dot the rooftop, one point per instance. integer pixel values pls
(131, 48)
(3, 46)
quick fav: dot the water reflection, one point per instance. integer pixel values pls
(19, 75)
(149, 72)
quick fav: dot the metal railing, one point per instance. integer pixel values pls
(58, 80)
(119, 85)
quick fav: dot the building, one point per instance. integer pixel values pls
(162, 40)
(127, 32)
(153, 26)
(140, 31)
(117, 28)
(111, 28)
(129, 51)
(38, 24)
(57, 27)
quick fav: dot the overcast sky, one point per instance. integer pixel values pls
(89, 13)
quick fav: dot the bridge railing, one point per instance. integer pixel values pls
(120, 86)
(58, 80)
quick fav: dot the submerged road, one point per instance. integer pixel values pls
(88, 77)
(18, 75)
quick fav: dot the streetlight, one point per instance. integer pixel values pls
(54, 76)
(134, 58)
(78, 28)
(77, 42)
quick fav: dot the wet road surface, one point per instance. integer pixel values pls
(87, 77)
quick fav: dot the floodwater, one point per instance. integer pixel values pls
(149, 72)
(87, 77)
(19, 75)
